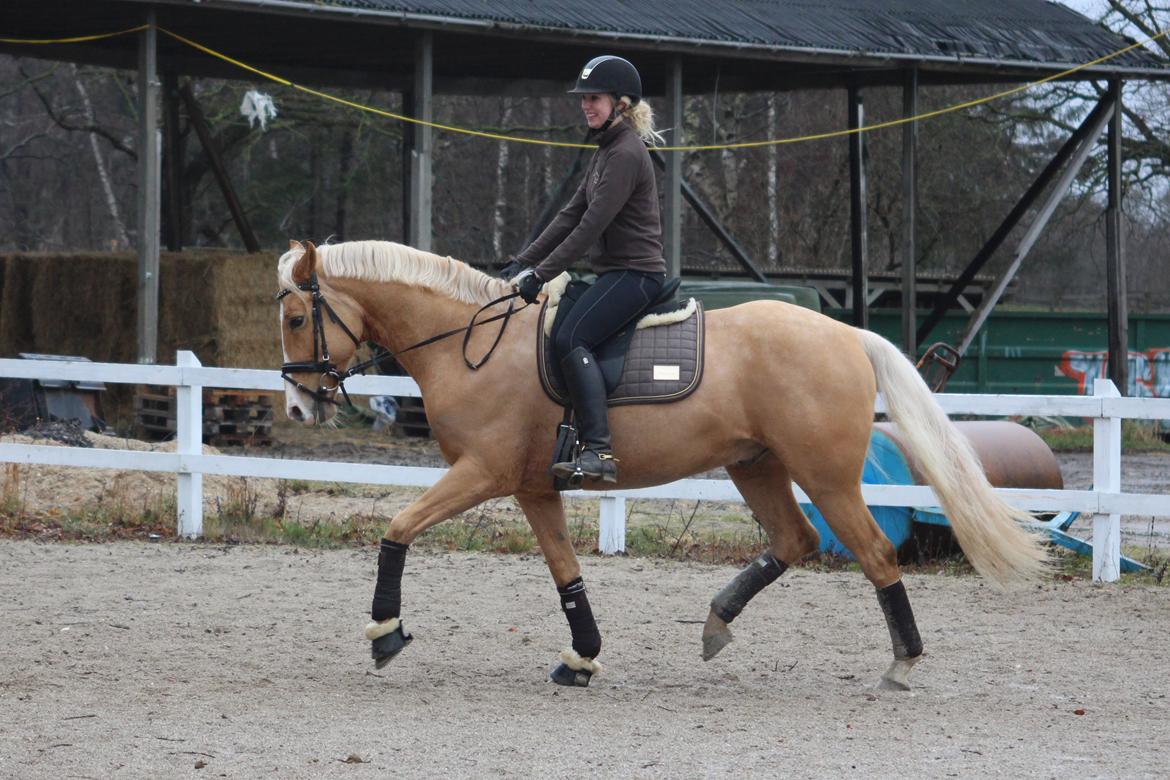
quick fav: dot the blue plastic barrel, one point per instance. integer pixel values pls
(884, 465)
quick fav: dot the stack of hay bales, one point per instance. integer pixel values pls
(216, 303)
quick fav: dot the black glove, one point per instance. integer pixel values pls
(528, 284)
(512, 270)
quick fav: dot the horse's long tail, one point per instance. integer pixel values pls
(988, 529)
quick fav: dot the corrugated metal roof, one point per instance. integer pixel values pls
(1008, 31)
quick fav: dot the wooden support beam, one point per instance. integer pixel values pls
(1118, 305)
(149, 184)
(711, 220)
(1010, 221)
(195, 114)
(1055, 196)
(558, 198)
(858, 201)
(672, 181)
(420, 231)
(909, 214)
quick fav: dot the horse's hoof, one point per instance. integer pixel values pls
(384, 646)
(563, 675)
(716, 636)
(574, 670)
(897, 677)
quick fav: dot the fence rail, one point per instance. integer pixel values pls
(1105, 502)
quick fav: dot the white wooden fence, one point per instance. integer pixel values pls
(1105, 502)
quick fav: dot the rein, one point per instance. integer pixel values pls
(323, 365)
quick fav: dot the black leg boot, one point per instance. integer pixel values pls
(586, 388)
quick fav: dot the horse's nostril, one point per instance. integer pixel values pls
(296, 413)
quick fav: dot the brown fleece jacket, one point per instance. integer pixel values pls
(612, 219)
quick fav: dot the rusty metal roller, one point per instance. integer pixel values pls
(1012, 456)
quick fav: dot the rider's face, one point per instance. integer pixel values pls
(597, 109)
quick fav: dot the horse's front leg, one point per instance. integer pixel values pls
(462, 487)
(546, 515)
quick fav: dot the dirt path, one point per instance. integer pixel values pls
(139, 660)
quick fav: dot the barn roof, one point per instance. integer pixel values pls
(1016, 32)
(494, 46)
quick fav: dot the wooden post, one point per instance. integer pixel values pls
(1118, 306)
(857, 210)
(612, 525)
(672, 181)
(149, 184)
(909, 214)
(189, 441)
(1106, 479)
(419, 235)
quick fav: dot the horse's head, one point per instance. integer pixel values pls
(320, 329)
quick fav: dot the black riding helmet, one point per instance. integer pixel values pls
(610, 75)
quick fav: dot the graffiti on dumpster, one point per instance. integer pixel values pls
(1149, 371)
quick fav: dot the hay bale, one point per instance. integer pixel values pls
(217, 304)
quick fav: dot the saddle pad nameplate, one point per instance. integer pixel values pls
(664, 363)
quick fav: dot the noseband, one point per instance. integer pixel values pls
(323, 365)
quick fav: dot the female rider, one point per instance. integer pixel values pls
(613, 220)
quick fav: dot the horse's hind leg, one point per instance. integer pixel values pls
(767, 488)
(847, 515)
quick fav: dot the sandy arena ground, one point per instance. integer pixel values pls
(178, 660)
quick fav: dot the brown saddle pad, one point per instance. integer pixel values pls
(664, 363)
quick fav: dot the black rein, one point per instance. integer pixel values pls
(323, 365)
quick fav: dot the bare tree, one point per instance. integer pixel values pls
(103, 174)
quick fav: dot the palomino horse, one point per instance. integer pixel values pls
(787, 396)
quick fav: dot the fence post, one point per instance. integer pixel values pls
(189, 441)
(612, 525)
(1106, 479)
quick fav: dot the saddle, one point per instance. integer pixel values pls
(657, 358)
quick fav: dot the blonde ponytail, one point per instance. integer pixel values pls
(641, 118)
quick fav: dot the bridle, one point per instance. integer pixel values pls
(323, 365)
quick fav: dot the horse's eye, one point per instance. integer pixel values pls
(295, 322)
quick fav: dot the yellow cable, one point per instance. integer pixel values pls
(77, 39)
(569, 145)
(370, 109)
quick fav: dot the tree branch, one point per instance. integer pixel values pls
(64, 124)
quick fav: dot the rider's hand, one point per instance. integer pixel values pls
(528, 284)
(512, 270)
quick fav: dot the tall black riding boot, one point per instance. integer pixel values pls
(586, 387)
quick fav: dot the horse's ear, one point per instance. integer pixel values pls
(294, 244)
(306, 265)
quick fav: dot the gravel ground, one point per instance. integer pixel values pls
(188, 660)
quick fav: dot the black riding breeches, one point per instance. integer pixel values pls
(605, 308)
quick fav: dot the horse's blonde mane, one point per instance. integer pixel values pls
(385, 261)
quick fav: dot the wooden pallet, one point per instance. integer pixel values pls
(412, 419)
(229, 418)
